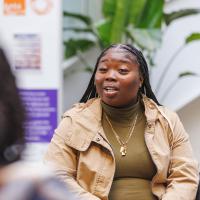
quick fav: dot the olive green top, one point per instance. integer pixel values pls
(134, 171)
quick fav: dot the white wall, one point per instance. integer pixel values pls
(76, 78)
(184, 96)
(190, 116)
(188, 60)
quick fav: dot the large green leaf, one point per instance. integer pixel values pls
(170, 17)
(74, 45)
(152, 15)
(192, 37)
(136, 9)
(119, 19)
(78, 30)
(103, 30)
(87, 20)
(108, 8)
(149, 39)
(128, 11)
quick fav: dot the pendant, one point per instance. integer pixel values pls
(123, 150)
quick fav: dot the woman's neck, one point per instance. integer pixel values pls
(123, 114)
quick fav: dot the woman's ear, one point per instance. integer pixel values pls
(141, 81)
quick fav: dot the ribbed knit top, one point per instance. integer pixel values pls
(134, 171)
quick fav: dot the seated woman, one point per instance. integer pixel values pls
(119, 142)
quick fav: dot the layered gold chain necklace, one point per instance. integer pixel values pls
(123, 144)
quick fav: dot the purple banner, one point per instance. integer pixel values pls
(41, 108)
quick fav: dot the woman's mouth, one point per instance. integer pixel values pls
(110, 91)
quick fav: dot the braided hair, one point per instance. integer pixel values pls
(146, 86)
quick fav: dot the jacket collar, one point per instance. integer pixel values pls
(151, 108)
(87, 126)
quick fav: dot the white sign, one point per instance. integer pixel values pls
(31, 33)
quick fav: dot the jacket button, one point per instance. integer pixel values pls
(98, 139)
(149, 125)
(151, 106)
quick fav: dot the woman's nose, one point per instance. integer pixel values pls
(111, 75)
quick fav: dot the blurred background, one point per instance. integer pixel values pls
(53, 45)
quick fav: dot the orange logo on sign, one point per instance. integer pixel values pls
(14, 7)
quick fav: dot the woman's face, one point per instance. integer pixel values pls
(117, 78)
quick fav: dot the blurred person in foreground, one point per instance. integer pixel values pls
(119, 143)
(20, 180)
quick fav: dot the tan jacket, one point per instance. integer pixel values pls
(83, 158)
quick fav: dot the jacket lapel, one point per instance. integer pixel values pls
(86, 127)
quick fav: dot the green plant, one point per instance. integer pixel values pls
(120, 24)
(140, 22)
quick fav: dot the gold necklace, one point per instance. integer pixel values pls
(123, 144)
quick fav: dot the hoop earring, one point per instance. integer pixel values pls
(89, 96)
(145, 92)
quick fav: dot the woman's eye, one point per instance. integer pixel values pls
(123, 71)
(102, 69)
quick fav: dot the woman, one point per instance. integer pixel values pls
(119, 142)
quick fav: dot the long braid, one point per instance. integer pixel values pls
(146, 87)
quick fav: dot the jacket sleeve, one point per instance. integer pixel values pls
(183, 177)
(63, 160)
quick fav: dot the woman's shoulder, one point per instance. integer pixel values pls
(171, 117)
(24, 170)
(80, 124)
(79, 108)
(165, 111)
(81, 116)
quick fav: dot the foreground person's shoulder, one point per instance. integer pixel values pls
(25, 180)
